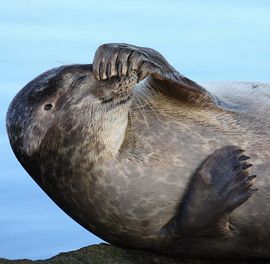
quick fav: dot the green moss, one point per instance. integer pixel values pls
(108, 254)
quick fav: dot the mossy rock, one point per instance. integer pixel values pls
(108, 254)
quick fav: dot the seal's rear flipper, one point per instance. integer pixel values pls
(221, 184)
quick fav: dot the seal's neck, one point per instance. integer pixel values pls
(108, 134)
(113, 135)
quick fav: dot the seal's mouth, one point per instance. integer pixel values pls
(122, 101)
(113, 102)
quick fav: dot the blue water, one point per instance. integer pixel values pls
(205, 40)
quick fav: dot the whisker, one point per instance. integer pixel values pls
(156, 92)
(139, 108)
(132, 127)
(150, 103)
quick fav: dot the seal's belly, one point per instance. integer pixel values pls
(141, 191)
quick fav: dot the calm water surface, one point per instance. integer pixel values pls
(205, 40)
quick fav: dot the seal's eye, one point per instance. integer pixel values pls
(48, 107)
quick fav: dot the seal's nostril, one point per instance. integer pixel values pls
(48, 107)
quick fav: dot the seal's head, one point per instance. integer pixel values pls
(67, 106)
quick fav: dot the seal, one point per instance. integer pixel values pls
(146, 158)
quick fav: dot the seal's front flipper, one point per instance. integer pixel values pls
(120, 59)
(221, 184)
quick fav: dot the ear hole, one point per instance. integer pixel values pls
(48, 107)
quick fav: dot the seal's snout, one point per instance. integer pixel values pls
(120, 90)
(125, 84)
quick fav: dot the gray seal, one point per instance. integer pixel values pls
(144, 157)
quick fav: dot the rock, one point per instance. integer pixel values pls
(108, 254)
